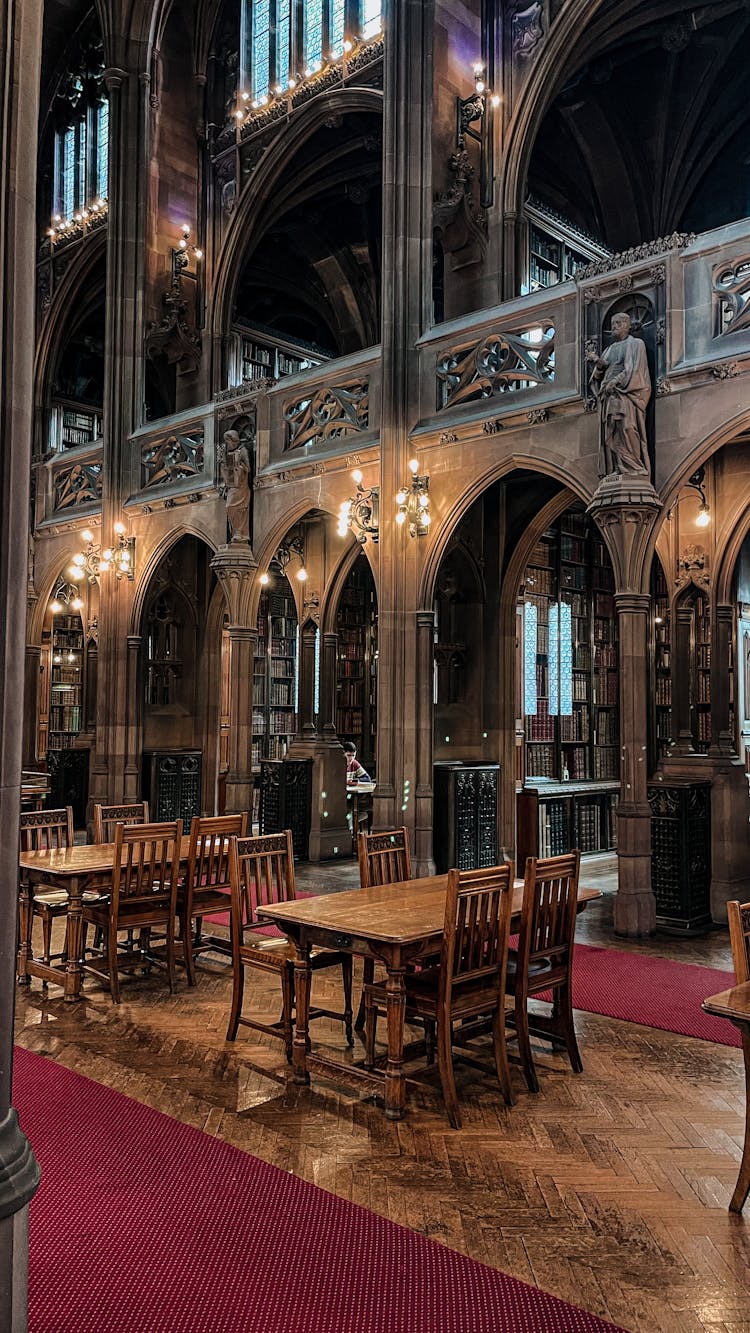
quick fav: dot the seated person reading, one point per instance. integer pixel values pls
(354, 771)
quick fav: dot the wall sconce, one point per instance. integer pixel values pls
(289, 548)
(697, 483)
(472, 123)
(359, 514)
(67, 597)
(91, 563)
(181, 254)
(413, 503)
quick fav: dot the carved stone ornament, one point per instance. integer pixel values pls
(499, 363)
(458, 217)
(78, 484)
(235, 468)
(661, 331)
(328, 413)
(527, 30)
(172, 337)
(493, 426)
(691, 568)
(172, 459)
(658, 274)
(449, 437)
(537, 416)
(726, 371)
(663, 387)
(621, 382)
(731, 283)
(591, 349)
(662, 245)
(352, 460)
(591, 404)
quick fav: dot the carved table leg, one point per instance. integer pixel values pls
(73, 942)
(742, 1188)
(25, 919)
(302, 979)
(395, 1083)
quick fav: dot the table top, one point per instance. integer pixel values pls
(398, 913)
(354, 787)
(89, 859)
(734, 1003)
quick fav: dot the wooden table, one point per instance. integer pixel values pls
(395, 923)
(361, 800)
(735, 1005)
(34, 791)
(74, 869)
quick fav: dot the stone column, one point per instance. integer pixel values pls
(407, 307)
(681, 719)
(626, 511)
(306, 730)
(20, 42)
(133, 742)
(328, 661)
(424, 863)
(32, 670)
(235, 567)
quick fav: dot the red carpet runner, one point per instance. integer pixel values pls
(146, 1225)
(653, 991)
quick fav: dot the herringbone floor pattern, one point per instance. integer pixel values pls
(609, 1189)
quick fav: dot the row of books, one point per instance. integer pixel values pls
(349, 694)
(704, 687)
(352, 668)
(282, 693)
(606, 687)
(282, 722)
(606, 727)
(575, 727)
(66, 718)
(663, 691)
(606, 763)
(66, 676)
(576, 759)
(68, 640)
(349, 721)
(553, 828)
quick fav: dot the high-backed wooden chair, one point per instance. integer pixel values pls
(739, 936)
(39, 830)
(206, 885)
(107, 817)
(261, 873)
(383, 859)
(544, 958)
(469, 980)
(145, 875)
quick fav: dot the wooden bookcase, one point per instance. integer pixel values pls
(661, 693)
(356, 668)
(570, 770)
(275, 673)
(67, 658)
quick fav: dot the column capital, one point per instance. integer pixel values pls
(114, 77)
(633, 603)
(625, 510)
(235, 567)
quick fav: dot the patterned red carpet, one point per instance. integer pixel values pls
(653, 991)
(145, 1225)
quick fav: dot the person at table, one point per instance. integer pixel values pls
(354, 771)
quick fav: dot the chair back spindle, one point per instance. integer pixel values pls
(146, 864)
(739, 936)
(478, 908)
(208, 863)
(383, 857)
(548, 917)
(45, 830)
(107, 817)
(262, 873)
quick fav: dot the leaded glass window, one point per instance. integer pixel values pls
(372, 16)
(283, 41)
(530, 625)
(102, 149)
(271, 45)
(261, 48)
(560, 660)
(313, 33)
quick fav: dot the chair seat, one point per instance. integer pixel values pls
(539, 968)
(59, 897)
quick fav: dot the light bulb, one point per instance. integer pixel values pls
(479, 85)
(264, 579)
(108, 554)
(125, 557)
(77, 604)
(119, 527)
(348, 45)
(55, 607)
(76, 573)
(87, 536)
(292, 83)
(658, 620)
(401, 518)
(246, 97)
(424, 500)
(357, 477)
(495, 99)
(71, 657)
(79, 559)
(413, 466)
(302, 575)
(704, 517)
(401, 498)
(426, 518)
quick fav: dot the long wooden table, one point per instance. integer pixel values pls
(75, 869)
(735, 1005)
(395, 923)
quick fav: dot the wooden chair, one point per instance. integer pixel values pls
(206, 886)
(383, 859)
(42, 829)
(544, 958)
(739, 936)
(469, 981)
(107, 817)
(145, 875)
(262, 872)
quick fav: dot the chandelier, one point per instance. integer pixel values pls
(413, 503)
(291, 547)
(92, 562)
(359, 514)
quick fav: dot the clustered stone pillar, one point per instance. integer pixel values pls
(20, 43)
(626, 512)
(235, 567)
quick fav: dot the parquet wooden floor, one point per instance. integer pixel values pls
(609, 1189)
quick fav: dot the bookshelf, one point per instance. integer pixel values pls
(356, 666)
(73, 425)
(66, 682)
(556, 249)
(263, 356)
(275, 673)
(662, 738)
(570, 684)
(701, 675)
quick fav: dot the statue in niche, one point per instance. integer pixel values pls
(235, 471)
(622, 385)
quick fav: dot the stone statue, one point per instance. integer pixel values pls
(622, 384)
(235, 472)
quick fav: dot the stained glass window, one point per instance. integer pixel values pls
(68, 174)
(560, 660)
(529, 658)
(102, 149)
(371, 18)
(336, 23)
(283, 22)
(82, 165)
(261, 48)
(313, 33)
